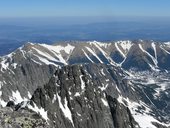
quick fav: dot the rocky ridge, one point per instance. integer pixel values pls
(117, 75)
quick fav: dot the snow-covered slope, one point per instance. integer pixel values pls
(119, 53)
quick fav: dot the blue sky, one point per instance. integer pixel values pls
(69, 8)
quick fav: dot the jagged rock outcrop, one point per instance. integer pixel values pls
(73, 99)
(121, 115)
(20, 76)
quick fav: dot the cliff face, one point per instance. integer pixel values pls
(95, 96)
(74, 98)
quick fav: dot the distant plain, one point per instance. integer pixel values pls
(16, 32)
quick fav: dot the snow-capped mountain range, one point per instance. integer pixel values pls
(139, 54)
(133, 74)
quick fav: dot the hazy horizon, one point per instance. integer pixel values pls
(80, 20)
(56, 20)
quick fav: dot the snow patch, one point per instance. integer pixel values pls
(87, 56)
(164, 49)
(153, 59)
(104, 102)
(105, 45)
(23, 52)
(29, 95)
(51, 58)
(162, 87)
(56, 50)
(78, 114)
(167, 44)
(154, 48)
(126, 45)
(117, 47)
(94, 54)
(118, 89)
(24, 104)
(3, 103)
(105, 54)
(41, 111)
(107, 80)
(77, 94)
(66, 111)
(102, 72)
(36, 61)
(54, 98)
(143, 118)
(45, 61)
(16, 97)
(103, 87)
(120, 99)
(14, 65)
(4, 65)
(46, 55)
(67, 49)
(82, 83)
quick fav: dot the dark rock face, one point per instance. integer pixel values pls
(25, 77)
(79, 94)
(121, 115)
(137, 59)
(95, 96)
(159, 125)
(116, 57)
(10, 104)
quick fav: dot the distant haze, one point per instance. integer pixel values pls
(80, 20)
(53, 21)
